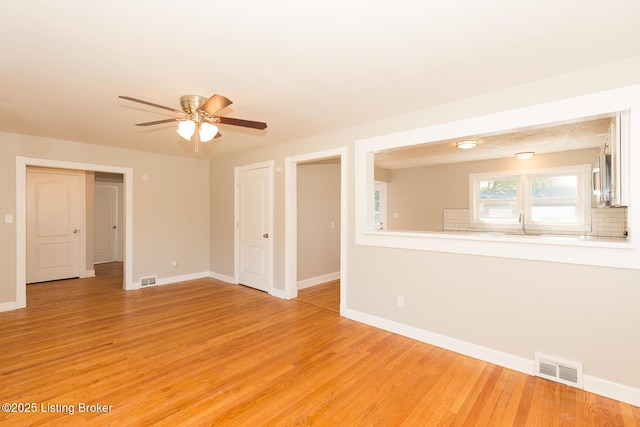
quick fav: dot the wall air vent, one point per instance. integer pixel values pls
(559, 370)
(148, 281)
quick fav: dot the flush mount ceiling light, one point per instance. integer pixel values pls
(467, 144)
(525, 155)
(199, 113)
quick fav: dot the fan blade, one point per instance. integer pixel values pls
(128, 98)
(241, 122)
(215, 104)
(158, 122)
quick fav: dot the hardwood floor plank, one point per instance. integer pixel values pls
(524, 405)
(204, 352)
(326, 295)
(506, 407)
(630, 415)
(444, 383)
(568, 406)
(475, 403)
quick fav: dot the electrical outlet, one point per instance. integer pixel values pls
(173, 264)
(400, 301)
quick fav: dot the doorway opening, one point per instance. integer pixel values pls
(318, 219)
(300, 273)
(108, 214)
(21, 216)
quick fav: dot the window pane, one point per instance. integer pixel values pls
(555, 211)
(554, 199)
(503, 211)
(498, 189)
(545, 187)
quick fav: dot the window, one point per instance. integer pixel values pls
(497, 200)
(380, 205)
(545, 199)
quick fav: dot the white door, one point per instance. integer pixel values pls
(53, 218)
(254, 216)
(105, 223)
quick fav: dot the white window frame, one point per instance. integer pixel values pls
(524, 200)
(474, 200)
(583, 214)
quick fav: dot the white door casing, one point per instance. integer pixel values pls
(291, 220)
(254, 240)
(22, 163)
(53, 226)
(105, 223)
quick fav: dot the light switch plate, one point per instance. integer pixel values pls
(8, 219)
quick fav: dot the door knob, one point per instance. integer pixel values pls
(76, 231)
(114, 227)
(265, 235)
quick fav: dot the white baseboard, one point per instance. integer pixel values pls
(8, 306)
(592, 384)
(222, 277)
(313, 281)
(496, 357)
(612, 390)
(175, 279)
(278, 293)
(182, 278)
(87, 273)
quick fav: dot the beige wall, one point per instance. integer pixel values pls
(170, 212)
(482, 300)
(419, 195)
(318, 208)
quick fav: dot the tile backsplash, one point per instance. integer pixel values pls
(607, 222)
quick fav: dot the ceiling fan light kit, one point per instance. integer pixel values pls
(198, 111)
(207, 131)
(186, 128)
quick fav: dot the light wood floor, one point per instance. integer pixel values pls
(326, 295)
(208, 353)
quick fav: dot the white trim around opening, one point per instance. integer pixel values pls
(291, 223)
(21, 211)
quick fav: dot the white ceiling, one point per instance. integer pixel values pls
(303, 67)
(592, 133)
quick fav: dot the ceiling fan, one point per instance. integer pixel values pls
(199, 112)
